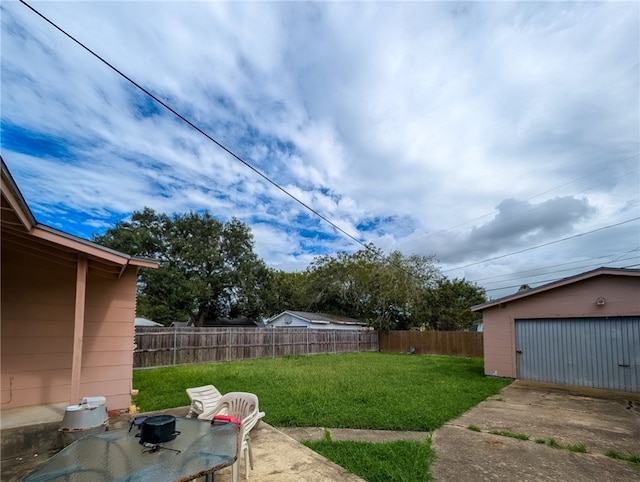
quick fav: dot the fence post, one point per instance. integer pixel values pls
(273, 342)
(175, 343)
(307, 341)
(334, 341)
(228, 344)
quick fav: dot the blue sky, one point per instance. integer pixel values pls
(467, 131)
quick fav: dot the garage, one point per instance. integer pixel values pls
(583, 331)
(586, 352)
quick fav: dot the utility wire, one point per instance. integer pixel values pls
(592, 265)
(542, 245)
(589, 174)
(264, 176)
(540, 283)
(543, 269)
(201, 131)
(367, 247)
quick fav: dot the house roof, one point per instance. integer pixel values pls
(146, 322)
(21, 231)
(321, 318)
(557, 284)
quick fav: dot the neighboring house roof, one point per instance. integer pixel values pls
(20, 228)
(321, 318)
(556, 284)
(239, 322)
(180, 324)
(146, 322)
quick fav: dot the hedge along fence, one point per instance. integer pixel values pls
(160, 346)
(456, 343)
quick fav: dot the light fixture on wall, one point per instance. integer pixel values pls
(601, 301)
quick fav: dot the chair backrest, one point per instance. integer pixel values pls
(207, 395)
(242, 405)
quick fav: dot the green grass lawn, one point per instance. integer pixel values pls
(401, 461)
(360, 390)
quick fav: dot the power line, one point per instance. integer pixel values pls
(544, 269)
(589, 174)
(201, 131)
(592, 265)
(539, 283)
(542, 245)
(366, 246)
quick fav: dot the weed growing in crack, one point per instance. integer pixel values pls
(614, 454)
(507, 433)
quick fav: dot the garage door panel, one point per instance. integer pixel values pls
(588, 352)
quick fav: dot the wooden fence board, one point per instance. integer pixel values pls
(456, 343)
(161, 346)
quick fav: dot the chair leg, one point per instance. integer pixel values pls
(247, 462)
(234, 471)
(250, 452)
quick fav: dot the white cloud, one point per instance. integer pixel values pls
(408, 124)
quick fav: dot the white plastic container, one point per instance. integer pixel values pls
(87, 418)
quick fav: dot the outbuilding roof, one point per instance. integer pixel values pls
(556, 284)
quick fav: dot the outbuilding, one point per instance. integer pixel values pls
(583, 331)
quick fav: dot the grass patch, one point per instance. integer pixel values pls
(401, 461)
(386, 391)
(474, 428)
(507, 433)
(579, 448)
(551, 442)
(634, 459)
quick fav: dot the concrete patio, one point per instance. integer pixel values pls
(29, 437)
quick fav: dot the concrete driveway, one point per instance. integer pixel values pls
(541, 412)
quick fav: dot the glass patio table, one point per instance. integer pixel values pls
(117, 455)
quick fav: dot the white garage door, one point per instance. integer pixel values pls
(588, 352)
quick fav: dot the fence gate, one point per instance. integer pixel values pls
(588, 352)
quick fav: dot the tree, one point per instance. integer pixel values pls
(207, 268)
(386, 291)
(448, 304)
(285, 291)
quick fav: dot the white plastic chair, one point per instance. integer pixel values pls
(203, 399)
(244, 407)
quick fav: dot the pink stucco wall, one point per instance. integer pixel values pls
(37, 321)
(577, 300)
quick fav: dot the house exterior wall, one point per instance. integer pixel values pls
(288, 320)
(37, 321)
(577, 300)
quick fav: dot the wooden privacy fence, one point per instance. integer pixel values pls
(160, 346)
(457, 343)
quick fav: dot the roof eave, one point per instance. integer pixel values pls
(556, 284)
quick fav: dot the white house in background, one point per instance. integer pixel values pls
(146, 322)
(301, 319)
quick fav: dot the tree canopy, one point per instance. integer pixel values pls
(390, 292)
(208, 269)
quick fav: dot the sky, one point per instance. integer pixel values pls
(502, 138)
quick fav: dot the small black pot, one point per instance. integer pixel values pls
(158, 429)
